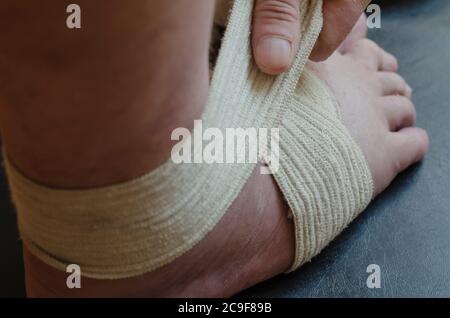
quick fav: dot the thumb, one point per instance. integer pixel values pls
(340, 16)
(276, 33)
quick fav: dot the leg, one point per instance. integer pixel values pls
(79, 106)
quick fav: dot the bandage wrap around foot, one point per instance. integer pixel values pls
(139, 226)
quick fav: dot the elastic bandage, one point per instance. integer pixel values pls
(139, 226)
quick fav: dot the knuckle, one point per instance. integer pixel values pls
(276, 11)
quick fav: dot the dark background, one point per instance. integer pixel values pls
(406, 231)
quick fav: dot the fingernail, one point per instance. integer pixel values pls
(273, 55)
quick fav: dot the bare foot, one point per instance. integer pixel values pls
(255, 239)
(377, 108)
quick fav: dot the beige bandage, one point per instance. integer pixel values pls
(133, 228)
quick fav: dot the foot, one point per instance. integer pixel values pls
(377, 109)
(255, 239)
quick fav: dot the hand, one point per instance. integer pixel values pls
(276, 31)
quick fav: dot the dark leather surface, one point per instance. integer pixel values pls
(406, 231)
(11, 267)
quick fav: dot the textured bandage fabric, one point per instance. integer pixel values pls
(136, 227)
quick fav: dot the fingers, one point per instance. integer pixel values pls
(340, 16)
(374, 57)
(400, 112)
(276, 34)
(409, 146)
(276, 31)
(393, 84)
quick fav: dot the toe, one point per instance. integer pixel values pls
(393, 84)
(409, 146)
(399, 111)
(373, 56)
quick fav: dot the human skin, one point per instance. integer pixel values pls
(276, 31)
(94, 108)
